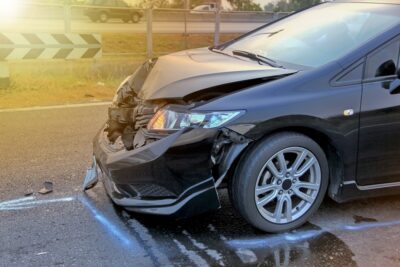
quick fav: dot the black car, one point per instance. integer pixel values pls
(103, 10)
(303, 107)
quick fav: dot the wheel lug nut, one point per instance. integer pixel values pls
(294, 180)
(280, 192)
(287, 174)
(290, 191)
(279, 181)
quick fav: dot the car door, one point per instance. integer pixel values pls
(379, 136)
(112, 8)
(122, 10)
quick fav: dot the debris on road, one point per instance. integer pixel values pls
(360, 219)
(91, 177)
(28, 193)
(47, 188)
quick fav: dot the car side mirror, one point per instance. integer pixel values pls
(395, 85)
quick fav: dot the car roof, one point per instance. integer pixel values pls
(396, 2)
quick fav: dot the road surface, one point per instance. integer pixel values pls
(70, 228)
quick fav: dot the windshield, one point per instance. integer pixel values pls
(321, 34)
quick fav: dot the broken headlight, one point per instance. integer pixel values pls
(166, 119)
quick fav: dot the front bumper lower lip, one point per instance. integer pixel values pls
(123, 168)
(205, 189)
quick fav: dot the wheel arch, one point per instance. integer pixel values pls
(334, 158)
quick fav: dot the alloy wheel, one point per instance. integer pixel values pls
(288, 185)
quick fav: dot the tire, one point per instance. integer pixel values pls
(135, 17)
(103, 17)
(305, 190)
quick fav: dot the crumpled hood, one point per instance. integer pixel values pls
(179, 74)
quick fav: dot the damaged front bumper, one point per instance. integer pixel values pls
(175, 175)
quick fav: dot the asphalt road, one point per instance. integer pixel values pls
(70, 228)
(86, 26)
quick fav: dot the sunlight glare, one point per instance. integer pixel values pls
(9, 8)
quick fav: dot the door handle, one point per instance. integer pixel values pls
(394, 87)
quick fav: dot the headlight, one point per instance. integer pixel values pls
(166, 119)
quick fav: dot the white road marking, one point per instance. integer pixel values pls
(16, 201)
(193, 256)
(56, 107)
(210, 252)
(30, 202)
(245, 255)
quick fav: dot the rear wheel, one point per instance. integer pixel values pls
(103, 17)
(280, 182)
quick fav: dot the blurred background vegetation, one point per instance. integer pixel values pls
(238, 5)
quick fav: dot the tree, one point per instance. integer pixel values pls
(293, 5)
(300, 4)
(245, 5)
(181, 3)
(283, 6)
(153, 4)
(269, 7)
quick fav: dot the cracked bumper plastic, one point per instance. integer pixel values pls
(171, 176)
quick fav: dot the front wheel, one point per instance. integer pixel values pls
(103, 17)
(135, 18)
(280, 182)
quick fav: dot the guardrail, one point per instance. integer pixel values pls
(49, 46)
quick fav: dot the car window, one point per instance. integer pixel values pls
(384, 61)
(121, 4)
(109, 3)
(320, 34)
(96, 2)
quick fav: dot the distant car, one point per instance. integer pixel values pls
(204, 9)
(103, 10)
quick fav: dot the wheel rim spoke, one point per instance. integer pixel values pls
(266, 199)
(288, 210)
(306, 166)
(265, 188)
(300, 158)
(282, 163)
(303, 196)
(272, 168)
(306, 185)
(278, 209)
(287, 185)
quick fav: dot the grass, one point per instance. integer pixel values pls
(40, 83)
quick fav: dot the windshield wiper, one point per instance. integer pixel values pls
(257, 57)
